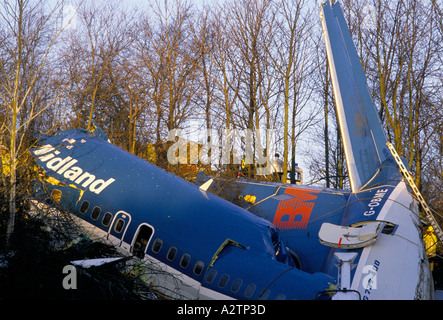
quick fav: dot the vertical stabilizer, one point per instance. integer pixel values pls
(363, 136)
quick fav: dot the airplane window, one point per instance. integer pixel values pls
(198, 268)
(171, 253)
(264, 295)
(250, 290)
(119, 225)
(236, 285)
(84, 207)
(107, 219)
(56, 195)
(184, 262)
(157, 245)
(211, 276)
(95, 213)
(223, 281)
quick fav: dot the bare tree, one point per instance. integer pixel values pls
(248, 32)
(221, 81)
(91, 53)
(29, 35)
(400, 57)
(293, 58)
(174, 49)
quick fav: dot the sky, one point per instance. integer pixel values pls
(70, 6)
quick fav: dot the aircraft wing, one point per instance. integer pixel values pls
(363, 136)
(87, 263)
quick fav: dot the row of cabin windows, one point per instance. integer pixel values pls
(107, 217)
(212, 274)
(172, 253)
(95, 213)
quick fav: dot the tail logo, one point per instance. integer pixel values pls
(294, 213)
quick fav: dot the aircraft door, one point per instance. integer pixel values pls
(141, 240)
(118, 227)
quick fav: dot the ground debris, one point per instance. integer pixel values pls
(32, 266)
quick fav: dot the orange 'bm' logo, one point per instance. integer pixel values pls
(294, 213)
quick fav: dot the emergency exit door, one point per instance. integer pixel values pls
(118, 228)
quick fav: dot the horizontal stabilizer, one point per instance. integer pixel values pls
(343, 237)
(363, 136)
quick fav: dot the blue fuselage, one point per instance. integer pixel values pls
(184, 228)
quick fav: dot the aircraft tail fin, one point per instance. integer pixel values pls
(362, 132)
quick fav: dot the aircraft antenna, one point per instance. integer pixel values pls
(430, 217)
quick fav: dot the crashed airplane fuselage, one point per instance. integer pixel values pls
(195, 245)
(285, 245)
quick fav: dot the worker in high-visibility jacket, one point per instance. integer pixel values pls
(151, 155)
(6, 161)
(430, 240)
